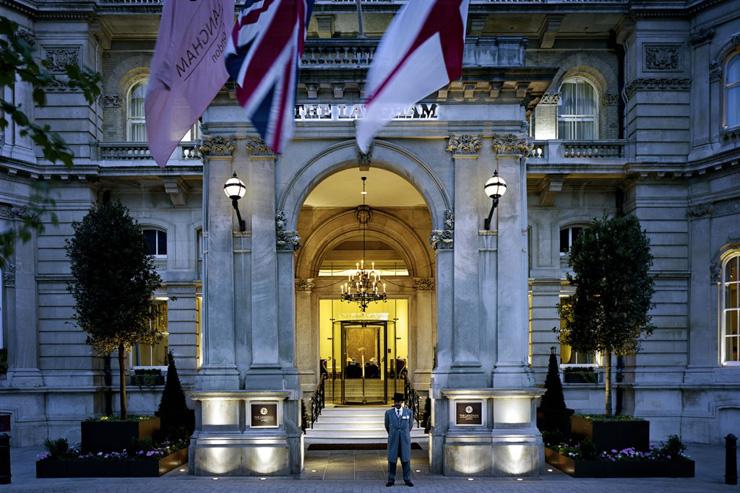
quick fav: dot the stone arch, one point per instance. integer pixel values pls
(384, 226)
(385, 155)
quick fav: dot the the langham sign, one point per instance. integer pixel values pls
(339, 112)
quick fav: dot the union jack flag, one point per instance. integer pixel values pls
(262, 57)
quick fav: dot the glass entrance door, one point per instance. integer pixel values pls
(364, 362)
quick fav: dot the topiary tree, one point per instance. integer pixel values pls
(176, 419)
(555, 415)
(609, 311)
(113, 282)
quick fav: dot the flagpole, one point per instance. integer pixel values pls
(360, 19)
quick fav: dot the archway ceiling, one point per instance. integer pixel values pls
(384, 189)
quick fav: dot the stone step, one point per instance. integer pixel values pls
(343, 425)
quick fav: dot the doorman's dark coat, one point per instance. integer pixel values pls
(399, 434)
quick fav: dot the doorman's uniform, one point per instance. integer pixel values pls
(399, 441)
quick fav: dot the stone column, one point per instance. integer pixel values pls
(510, 222)
(424, 340)
(23, 338)
(702, 357)
(465, 335)
(307, 351)
(219, 365)
(443, 242)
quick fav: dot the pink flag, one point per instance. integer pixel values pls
(187, 69)
(421, 52)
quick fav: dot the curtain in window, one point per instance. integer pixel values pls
(136, 125)
(733, 91)
(577, 111)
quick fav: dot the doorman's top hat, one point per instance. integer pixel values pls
(398, 397)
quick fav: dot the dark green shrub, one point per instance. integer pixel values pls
(673, 447)
(176, 419)
(57, 448)
(588, 449)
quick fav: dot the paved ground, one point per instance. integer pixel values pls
(364, 472)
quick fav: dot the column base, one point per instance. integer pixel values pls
(513, 452)
(25, 377)
(512, 376)
(217, 378)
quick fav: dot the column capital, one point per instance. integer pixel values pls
(464, 146)
(287, 241)
(305, 284)
(424, 283)
(444, 239)
(217, 146)
(257, 149)
(511, 144)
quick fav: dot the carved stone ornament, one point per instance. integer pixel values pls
(424, 283)
(550, 99)
(364, 158)
(217, 146)
(715, 271)
(701, 36)
(660, 85)
(27, 36)
(610, 99)
(58, 57)
(112, 101)
(9, 274)
(444, 239)
(286, 240)
(257, 147)
(511, 144)
(662, 58)
(715, 71)
(304, 284)
(6, 212)
(698, 211)
(464, 144)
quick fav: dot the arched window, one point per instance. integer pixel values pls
(730, 316)
(578, 110)
(156, 242)
(568, 236)
(732, 91)
(135, 122)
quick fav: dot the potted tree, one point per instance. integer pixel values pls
(113, 282)
(610, 261)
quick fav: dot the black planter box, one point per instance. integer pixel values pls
(96, 468)
(612, 435)
(114, 436)
(680, 468)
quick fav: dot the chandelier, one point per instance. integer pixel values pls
(364, 286)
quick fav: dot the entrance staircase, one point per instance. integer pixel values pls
(354, 425)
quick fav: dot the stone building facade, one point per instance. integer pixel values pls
(585, 108)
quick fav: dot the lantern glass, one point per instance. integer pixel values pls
(234, 188)
(495, 187)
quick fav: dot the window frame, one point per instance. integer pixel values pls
(578, 118)
(166, 334)
(729, 256)
(158, 256)
(130, 120)
(597, 355)
(569, 227)
(733, 57)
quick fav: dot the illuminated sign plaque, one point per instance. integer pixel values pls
(469, 413)
(264, 415)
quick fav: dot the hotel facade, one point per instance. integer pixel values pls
(585, 108)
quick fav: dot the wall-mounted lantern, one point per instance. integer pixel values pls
(235, 189)
(495, 188)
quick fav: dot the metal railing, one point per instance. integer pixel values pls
(412, 400)
(318, 401)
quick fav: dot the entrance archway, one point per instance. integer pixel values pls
(332, 244)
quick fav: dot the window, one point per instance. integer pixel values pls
(156, 242)
(154, 354)
(731, 310)
(568, 236)
(199, 253)
(732, 91)
(577, 110)
(136, 124)
(568, 356)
